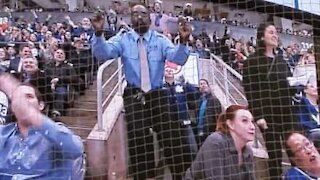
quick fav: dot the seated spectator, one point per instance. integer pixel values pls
(61, 76)
(11, 51)
(201, 51)
(4, 61)
(34, 147)
(46, 52)
(32, 75)
(81, 59)
(16, 63)
(307, 106)
(304, 158)
(224, 154)
(208, 109)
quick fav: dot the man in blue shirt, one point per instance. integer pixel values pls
(35, 147)
(143, 53)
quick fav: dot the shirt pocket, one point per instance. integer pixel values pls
(154, 52)
(131, 54)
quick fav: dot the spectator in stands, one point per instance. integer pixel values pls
(269, 94)
(16, 63)
(143, 96)
(205, 38)
(307, 106)
(208, 110)
(32, 75)
(307, 58)
(188, 10)
(200, 50)
(238, 55)
(160, 20)
(85, 27)
(61, 76)
(4, 61)
(224, 154)
(15, 35)
(303, 156)
(46, 52)
(11, 51)
(34, 147)
(180, 146)
(81, 59)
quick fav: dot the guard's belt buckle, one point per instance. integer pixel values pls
(186, 122)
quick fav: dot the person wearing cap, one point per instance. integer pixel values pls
(143, 52)
(160, 20)
(181, 147)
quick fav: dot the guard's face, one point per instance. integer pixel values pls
(140, 19)
(157, 7)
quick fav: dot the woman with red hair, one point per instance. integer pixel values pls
(225, 154)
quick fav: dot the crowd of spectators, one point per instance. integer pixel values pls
(56, 57)
(53, 55)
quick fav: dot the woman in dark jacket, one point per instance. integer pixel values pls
(269, 94)
(224, 154)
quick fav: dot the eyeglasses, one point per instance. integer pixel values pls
(142, 14)
(303, 148)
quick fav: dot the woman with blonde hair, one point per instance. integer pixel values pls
(225, 154)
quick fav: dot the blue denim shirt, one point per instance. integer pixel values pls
(47, 152)
(125, 45)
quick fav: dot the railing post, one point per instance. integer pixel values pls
(119, 77)
(99, 98)
(226, 84)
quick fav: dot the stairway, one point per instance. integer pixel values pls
(83, 116)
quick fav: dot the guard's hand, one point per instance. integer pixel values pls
(54, 80)
(184, 30)
(98, 20)
(262, 123)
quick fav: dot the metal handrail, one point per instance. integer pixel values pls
(100, 86)
(226, 83)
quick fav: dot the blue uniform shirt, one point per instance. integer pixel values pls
(125, 45)
(48, 152)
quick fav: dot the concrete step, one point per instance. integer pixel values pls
(77, 112)
(79, 121)
(88, 98)
(85, 104)
(91, 92)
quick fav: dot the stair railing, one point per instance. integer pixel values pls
(223, 74)
(101, 84)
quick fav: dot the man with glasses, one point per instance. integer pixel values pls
(304, 158)
(143, 53)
